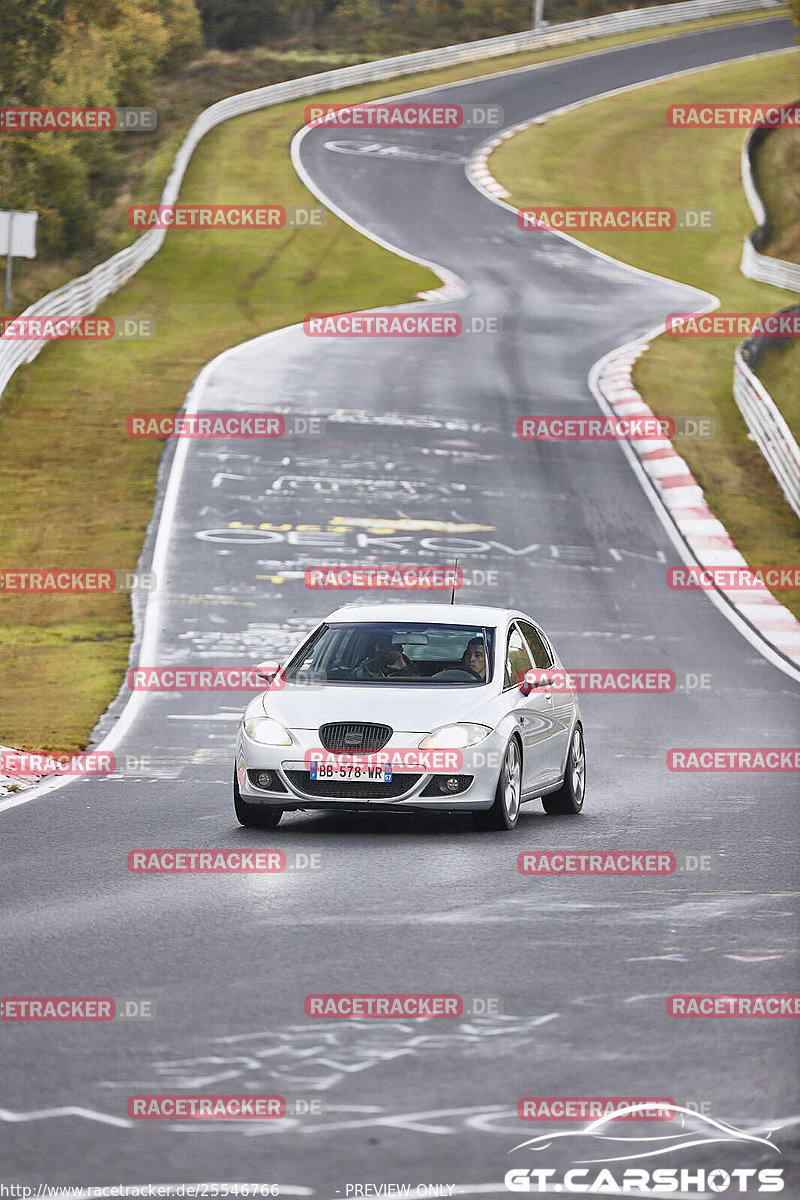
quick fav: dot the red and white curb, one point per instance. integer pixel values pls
(704, 536)
(680, 493)
(477, 165)
(9, 784)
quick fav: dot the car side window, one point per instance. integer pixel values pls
(540, 651)
(517, 658)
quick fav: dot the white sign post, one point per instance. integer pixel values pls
(17, 239)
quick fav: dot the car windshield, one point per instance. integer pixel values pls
(397, 653)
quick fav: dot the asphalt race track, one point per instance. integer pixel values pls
(418, 463)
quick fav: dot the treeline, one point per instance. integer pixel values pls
(378, 27)
(105, 53)
(96, 53)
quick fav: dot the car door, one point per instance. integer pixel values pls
(561, 704)
(534, 713)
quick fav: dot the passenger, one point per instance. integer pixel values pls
(474, 657)
(387, 661)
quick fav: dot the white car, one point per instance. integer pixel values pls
(401, 706)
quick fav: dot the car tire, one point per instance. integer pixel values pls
(504, 813)
(254, 816)
(568, 800)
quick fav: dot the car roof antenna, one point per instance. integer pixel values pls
(453, 591)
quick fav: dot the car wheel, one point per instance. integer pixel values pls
(504, 813)
(254, 816)
(569, 797)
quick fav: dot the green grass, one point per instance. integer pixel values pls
(779, 371)
(777, 176)
(620, 151)
(74, 491)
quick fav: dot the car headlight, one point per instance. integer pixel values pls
(264, 729)
(455, 737)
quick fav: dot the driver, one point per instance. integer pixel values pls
(387, 661)
(474, 657)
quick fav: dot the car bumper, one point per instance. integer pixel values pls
(480, 763)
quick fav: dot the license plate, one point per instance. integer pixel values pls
(349, 771)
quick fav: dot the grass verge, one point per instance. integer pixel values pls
(74, 491)
(620, 151)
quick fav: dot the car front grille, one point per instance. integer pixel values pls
(354, 737)
(347, 789)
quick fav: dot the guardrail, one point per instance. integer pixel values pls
(755, 265)
(81, 296)
(763, 418)
(761, 414)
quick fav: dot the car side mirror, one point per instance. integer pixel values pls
(533, 679)
(266, 671)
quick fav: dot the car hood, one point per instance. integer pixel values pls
(406, 708)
